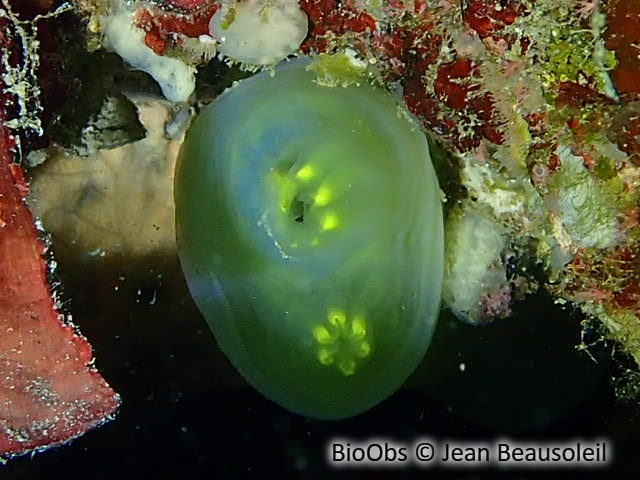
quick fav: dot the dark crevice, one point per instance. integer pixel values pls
(297, 210)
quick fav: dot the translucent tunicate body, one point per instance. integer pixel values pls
(309, 228)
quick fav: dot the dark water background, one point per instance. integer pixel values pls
(188, 414)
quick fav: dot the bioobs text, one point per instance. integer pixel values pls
(426, 453)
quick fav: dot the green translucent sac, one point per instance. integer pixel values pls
(309, 229)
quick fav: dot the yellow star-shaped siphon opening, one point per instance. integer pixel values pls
(342, 341)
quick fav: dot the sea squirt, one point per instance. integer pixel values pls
(309, 229)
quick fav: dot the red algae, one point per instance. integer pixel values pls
(185, 5)
(488, 18)
(49, 392)
(165, 29)
(623, 36)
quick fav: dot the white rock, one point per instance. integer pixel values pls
(259, 32)
(473, 262)
(176, 78)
